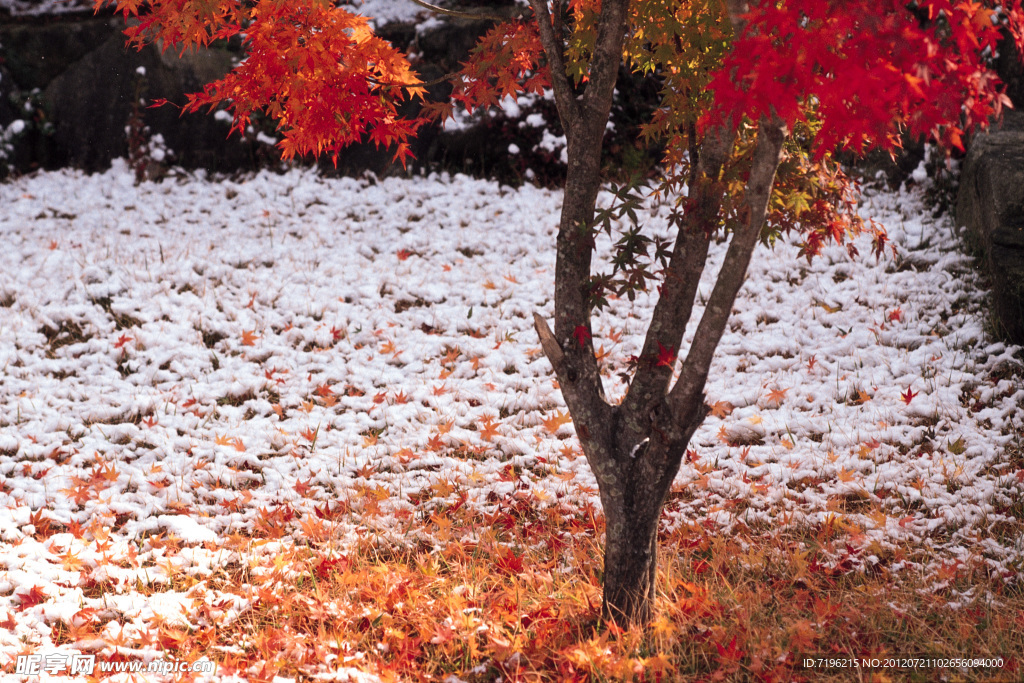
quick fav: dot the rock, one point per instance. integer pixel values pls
(1010, 68)
(990, 205)
(91, 103)
(90, 85)
(36, 52)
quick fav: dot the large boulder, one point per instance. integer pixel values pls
(92, 101)
(991, 207)
(36, 51)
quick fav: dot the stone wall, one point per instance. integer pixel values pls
(990, 206)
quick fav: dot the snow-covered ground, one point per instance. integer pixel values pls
(382, 11)
(177, 356)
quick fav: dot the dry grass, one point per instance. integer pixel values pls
(515, 594)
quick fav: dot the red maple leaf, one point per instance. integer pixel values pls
(34, 596)
(582, 334)
(666, 356)
(121, 341)
(730, 652)
(895, 315)
(909, 395)
(507, 562)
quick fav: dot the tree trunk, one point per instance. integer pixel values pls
(630, 565)
(645, 472)
(635, 448)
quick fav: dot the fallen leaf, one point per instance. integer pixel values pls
(552, 423)
(722, 409)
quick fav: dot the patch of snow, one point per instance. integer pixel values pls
(386, 11)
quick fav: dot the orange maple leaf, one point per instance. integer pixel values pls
(71, 562)
(488, 430)
(722, 409)
(552, 424)
(249, 337)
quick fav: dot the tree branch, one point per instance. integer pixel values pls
(682, 277)
(558, 12)
(767, 156)
(549, 344)
(568, 110)
(570, 346)
(421, 84)
(457, 13)
(736, 10)
(604, 64)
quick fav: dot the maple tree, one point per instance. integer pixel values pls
(755, 99)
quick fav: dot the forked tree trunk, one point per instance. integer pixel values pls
(632, 513)
(635, 448)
